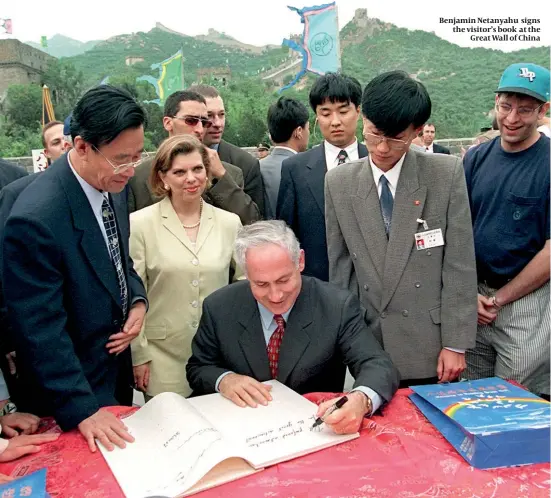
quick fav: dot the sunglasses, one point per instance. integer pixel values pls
(194, 121)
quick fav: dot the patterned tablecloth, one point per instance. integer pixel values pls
(399, 455)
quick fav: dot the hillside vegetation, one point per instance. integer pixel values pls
(461, 81)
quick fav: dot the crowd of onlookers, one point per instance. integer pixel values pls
(201, 269)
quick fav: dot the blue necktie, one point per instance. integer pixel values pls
(387, 203)
(108, 216)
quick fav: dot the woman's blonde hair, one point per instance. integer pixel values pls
(167, 151)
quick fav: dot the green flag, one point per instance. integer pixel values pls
(170, 79)
(44, 41)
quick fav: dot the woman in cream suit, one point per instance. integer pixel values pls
(183, 250)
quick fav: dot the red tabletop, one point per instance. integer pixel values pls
(399, 455)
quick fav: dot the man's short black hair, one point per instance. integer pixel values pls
(103, 113)
(393, 101)
(172, 104)
(284, 117)
(335, 87)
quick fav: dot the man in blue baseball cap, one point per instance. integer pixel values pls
(508, 183)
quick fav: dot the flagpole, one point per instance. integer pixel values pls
(338, 41)
(183, 81)
(43, 104)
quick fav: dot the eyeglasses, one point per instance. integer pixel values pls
(120, 168)
(194, 120)
(523, 112)
(393, 143)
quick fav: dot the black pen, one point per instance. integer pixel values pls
(330, 410)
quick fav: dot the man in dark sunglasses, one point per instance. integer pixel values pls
(185, 113)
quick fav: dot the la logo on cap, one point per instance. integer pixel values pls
(524, 73)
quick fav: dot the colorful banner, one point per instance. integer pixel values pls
(6, 25)
(320, 41)
(44, 41)
(47, 106)
(170, 80)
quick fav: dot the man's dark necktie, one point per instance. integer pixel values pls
(274, 344)
(342, 157)
(387, 203)
(110, 225)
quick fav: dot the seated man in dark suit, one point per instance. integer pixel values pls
(296, 329)
(72, 296)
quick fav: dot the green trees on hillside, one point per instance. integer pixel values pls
(460, 81)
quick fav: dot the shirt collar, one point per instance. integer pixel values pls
(430, 148)
(214, 146)
(267, 316)
(285, 148)
(95, 197)
(392, 175)
(334, 151)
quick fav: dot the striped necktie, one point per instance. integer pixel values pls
(274, 344)
(110, 224)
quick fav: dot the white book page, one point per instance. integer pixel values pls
(273, 433)
(174, 448)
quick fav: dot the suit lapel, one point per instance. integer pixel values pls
(315, 177)
(84, 220)
(408, 207)
(296, 337)
(252, 341)
(206, 226)
(370, 220)
(173, 224)
(362, 150)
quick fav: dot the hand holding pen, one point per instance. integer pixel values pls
(344, 415)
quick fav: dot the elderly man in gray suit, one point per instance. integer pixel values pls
(399, 236)
(298, 330)
(290, 132)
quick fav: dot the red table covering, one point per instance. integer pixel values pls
(399, 455)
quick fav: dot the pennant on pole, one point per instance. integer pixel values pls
(319, 45)
(171, 77)
(6, 24)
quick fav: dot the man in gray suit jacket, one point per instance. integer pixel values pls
(298, 330)
(185, 112)
(399, 236)
(290, 132)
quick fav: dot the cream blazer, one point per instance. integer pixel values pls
(177, 276)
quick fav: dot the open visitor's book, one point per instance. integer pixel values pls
(184, 446)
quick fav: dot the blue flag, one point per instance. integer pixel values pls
(320, 41)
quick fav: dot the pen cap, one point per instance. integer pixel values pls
(341, 402)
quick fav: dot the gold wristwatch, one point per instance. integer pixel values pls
(369, 406)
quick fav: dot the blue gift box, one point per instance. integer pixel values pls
(33, 485)
(490, 422)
